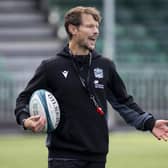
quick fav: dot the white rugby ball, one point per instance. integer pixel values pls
(42, 102)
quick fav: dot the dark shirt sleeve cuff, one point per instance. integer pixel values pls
(149, 124)
(22, 117)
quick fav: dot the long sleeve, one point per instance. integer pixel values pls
(38, 81)
(124, 104)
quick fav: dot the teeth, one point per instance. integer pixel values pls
(92, 39)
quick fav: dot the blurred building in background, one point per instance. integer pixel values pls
(32, 30)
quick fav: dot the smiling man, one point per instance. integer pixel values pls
(82, 80)
(83, 30)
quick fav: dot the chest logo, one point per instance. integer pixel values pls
(65, 74)
(98, 85)
(98, 73)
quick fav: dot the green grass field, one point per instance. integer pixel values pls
(127, 150)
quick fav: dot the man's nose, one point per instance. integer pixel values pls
(96, 30)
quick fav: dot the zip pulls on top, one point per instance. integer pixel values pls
(85, 83)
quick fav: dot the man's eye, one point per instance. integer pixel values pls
(92, 26)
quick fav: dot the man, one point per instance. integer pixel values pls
(82, 81)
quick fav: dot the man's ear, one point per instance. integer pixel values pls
(72, 29)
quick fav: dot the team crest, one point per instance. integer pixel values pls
(98, 73)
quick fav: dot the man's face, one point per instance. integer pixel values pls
(87, 32)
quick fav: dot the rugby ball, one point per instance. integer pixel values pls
(42, 102)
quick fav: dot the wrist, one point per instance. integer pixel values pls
(149, 125)
(23, 124)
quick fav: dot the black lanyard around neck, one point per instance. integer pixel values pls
(86, 83)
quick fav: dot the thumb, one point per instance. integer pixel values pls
(166, 122)
(35, 118)
(163, 121)
(159, 123)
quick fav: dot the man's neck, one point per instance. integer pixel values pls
(75, 50)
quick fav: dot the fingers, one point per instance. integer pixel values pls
(162, 137)
(165, 136)
(160, 130)
(39, 124)
(36, 123)
(35, 118)
(158, 137)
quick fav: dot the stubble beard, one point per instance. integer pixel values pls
(85, 45)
